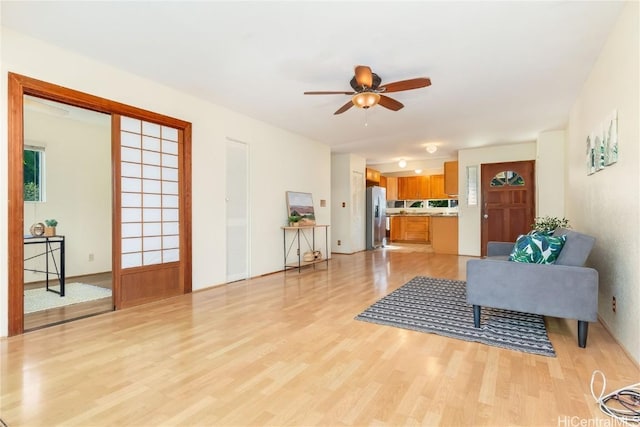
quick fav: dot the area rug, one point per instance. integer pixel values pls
(439, 306)
(40, 299)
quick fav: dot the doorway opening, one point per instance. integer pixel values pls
(67, 180)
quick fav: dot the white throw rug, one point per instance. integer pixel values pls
(41, 299)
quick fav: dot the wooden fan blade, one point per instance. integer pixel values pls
(390, 103)
(406, 85)
(344, 108)
(336, 92)
(363, 76)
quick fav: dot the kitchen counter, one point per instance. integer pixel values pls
(438, 228)
(444, 234)
(424, 214)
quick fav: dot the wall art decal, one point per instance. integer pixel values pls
(611, 142)
(601, 147)
(591, 155)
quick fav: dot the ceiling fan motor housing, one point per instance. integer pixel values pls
(376, 80)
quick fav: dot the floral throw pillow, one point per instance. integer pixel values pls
(537, 248)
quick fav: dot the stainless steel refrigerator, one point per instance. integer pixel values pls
(376, 217)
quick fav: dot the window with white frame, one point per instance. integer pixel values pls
(33, 174)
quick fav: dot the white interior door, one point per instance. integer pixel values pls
(237, 210)
(357, 211)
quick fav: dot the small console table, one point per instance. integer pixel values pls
(298, 235)
(48, 242)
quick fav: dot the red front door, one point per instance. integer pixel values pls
(508, 201)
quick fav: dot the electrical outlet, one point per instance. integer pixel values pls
(613, 304)
(339, 242)
(90, 257)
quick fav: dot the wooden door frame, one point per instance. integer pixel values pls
(18, 86)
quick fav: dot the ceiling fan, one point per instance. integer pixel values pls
(368, 92)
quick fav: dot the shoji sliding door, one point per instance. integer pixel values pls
(151, 173)
(149, 211)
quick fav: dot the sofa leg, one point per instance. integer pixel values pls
(583, 330)
(476, 315)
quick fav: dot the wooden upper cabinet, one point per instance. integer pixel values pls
(407, 187)
(383, 181)
(373, 177)
(424, 187)
(413, 187)
(451, 178)
(437, 187)
(392, 188)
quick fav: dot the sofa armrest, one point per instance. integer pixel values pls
(546, 289)
(499, 248)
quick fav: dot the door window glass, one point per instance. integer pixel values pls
(507, 178)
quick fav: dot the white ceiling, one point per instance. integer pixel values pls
(501, 72)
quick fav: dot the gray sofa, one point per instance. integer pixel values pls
(565, 289)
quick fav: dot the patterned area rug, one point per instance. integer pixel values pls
(40, 299)
(439, 306)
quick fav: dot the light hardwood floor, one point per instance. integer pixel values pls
(53, 316)
(285, 349)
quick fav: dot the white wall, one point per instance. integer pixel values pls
(469, 222)
(350, 232)
(605, 204)
(431, 166)
(279, 160)
(78, 190)
(550, 174)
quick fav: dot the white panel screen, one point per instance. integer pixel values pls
(149, 193)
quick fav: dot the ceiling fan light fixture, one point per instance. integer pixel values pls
(402, 163)
(365, 99)
(431, 148)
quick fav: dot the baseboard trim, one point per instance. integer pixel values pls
(624, 349)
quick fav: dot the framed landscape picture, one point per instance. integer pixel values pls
(301, 205)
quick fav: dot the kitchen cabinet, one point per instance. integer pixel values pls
(409, 229)
(383, 182)
(413, 187)
(372, 177)
(396, 225)
(451, 178)
(444, 234)
(417, 229)
(392, 188)
(437, 187)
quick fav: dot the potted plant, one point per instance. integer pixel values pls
(548, 224)
(50, 227)
(294, 220)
